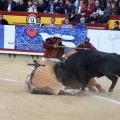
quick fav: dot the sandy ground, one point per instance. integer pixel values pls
(17, 104)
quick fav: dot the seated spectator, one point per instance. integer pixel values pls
(83, 14)
(46, 2)
(52, 23)
(118, 8)
(2, 4)
(94, 18)
(116, 2)
(69, 7)
(107, 9)
(113, 9)
(35, 2)
(79, 7)
(103, 3)
(10, 5)
(42, 6)
(51, 8)
(81, 25)
(29, 7)
(107, 13)
(97, 8)
(38, 22)
(3, 21)
(73, 17)
(66, 24)
(32, 6)
(21, 6)
(73, 1)
(88, 7)
(116, 26)
(60, 6)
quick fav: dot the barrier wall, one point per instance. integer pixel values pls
(103, 40)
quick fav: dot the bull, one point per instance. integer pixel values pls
(86, 64)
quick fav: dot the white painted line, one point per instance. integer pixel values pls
(110, 100)
(3, 79)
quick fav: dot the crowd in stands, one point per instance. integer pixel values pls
(94, 11)
(66, 23)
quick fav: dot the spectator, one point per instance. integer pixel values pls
(107, 10)
(46, 2)
(94, 18)
(21, 6)
(69, 7)
(97, 8)
(81, 25)
(2, 4)
(113, 9)
(10, 5)
(79, 7)
(88, 7)
(118, 9)
(83, 14)
(38, 22)
(107, 13)
(116, 26)
(73, 17)
(66, 24)
(52, 23)
(116, 2)
(51, 8)
(3, 21)
(42, 6)
(60, 6)
(29, 7)
(103, 3)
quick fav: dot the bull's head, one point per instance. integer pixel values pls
(61, 71)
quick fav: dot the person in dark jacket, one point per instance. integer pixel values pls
(41, 7)
(2, 4)
(116, 26)
(69, 7)
(60, 6)
(73, 17)
(94, 18)
(51, 8)
(3, 21)
(10, 5)
(21, 6)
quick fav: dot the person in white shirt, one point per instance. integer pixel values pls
(66, 24)
(79, 7)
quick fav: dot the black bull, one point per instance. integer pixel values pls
(86, 64)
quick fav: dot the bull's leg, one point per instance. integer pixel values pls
(71, 91)
(84, 83)
(110, 74)
(114, 79)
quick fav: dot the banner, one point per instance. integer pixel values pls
(37, 35)
(103, 40)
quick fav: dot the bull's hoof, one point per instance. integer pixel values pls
(81, 93)
(110, 92)
(76, 92)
